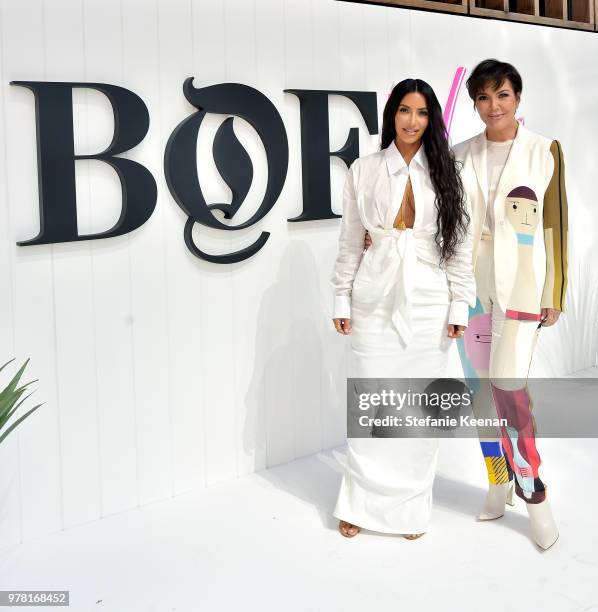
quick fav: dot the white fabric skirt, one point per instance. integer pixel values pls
(387, 483)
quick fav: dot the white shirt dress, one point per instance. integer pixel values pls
(399, 300)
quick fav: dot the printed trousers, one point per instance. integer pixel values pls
(499, 349)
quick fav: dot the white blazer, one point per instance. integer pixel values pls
(372, 198)
(530, 212)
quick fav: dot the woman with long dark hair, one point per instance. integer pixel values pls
(403, 301)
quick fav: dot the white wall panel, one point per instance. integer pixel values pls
(148, 296)
(73, 299)
(216, 358)
(161, 372)
(305, 340)
(182, 275)
(32, 273)
(268, 396)
(111, 269)
(248, 281)
(342, 113)
(10, 511)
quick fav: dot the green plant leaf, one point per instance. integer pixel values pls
(11, 399)
(5, 419)
(6, 403)
(24, 386)
(12, 385)
(2, 368)
(7, 395)
(22, 418)
(25, 399)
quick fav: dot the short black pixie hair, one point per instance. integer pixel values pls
(494, 72)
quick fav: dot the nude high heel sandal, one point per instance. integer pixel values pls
(544, 530)
(344, 528)
(497, 497)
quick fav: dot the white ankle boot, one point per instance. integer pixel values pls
(498, 495)
(544, 529)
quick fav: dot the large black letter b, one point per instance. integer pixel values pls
(56, 161)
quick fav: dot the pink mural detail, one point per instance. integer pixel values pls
(449, 108)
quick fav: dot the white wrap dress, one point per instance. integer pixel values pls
(399, 300)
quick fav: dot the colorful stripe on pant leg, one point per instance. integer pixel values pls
(499, 471)
(519, 441)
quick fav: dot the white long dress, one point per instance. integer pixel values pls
(399, 301)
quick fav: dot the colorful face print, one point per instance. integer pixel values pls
(522, 210)
(478, 338)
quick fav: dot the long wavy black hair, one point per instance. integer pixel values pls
(452, 218)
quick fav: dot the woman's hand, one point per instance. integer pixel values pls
(367, 243)
(342, 326)
(455, 331)
(550, 316)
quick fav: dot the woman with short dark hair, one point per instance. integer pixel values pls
(403, 301)
(514, 180)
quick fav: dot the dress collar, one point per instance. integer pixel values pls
(396, 163)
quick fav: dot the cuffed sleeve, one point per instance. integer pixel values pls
(459, 313)
(342, 307)
(350, 250)
(555, 233)
(459, 272)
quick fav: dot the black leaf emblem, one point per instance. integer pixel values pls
(234, 165)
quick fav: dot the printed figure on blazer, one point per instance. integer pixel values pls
(521, 208)
(530, 255)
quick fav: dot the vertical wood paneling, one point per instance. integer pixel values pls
(111, 282)
(249, 282)
(352, 41)
(377, 75)
(148, 295)
(269, 396)
(401, 49)
(10, 519)
(327, 75)
(73, 296)
(183, 277)
(306, 404)
(32, 273)
(216, 365)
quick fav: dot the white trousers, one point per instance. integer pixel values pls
(387, 482)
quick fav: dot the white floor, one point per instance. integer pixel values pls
(268, 542)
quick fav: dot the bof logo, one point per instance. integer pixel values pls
(56, 158)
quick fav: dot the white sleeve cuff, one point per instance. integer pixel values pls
(342, 307)
(459, 313)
